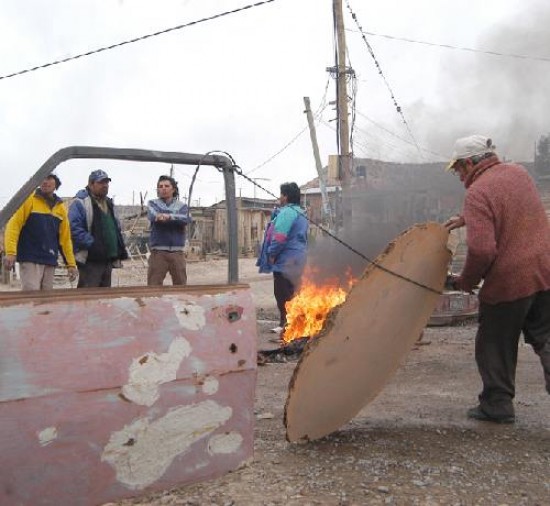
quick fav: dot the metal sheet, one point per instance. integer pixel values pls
(106, 394)
(366, 338)
(453, 307)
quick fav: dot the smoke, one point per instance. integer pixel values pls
(504, 98)
(391, 198)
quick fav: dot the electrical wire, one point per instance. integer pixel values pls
(136, 39)
(367, 149)
(316, 115)
(284, 148)
(449, 46)
(398, 108)
(213, 152)
(239, 171)
(381, 127)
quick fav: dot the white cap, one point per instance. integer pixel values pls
(473, 145)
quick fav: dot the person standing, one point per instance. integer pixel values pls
(508, 241)
(284, 251)
(169, 218)
(96, 233)
(33, 236)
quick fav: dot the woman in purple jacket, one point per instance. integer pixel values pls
(284, 251)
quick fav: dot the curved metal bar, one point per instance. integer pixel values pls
(140, 155)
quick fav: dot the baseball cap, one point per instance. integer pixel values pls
(98, 175)
(473, 145)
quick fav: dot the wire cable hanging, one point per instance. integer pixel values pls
(136, 39)
(316, 115)
(239, 171)
(457, 48)
(406, 141)
(398, 108)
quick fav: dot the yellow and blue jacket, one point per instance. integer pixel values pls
(37, 229)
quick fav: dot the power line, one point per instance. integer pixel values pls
(449, 46)
(398, 108)
(239, 172)
(320, 109)
(284, 148)
(136, 39)
(381, 127)
(367, 149)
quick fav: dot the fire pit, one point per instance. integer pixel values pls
(287, 352)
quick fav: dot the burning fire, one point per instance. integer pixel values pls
(308, 309)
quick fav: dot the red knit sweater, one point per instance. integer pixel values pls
(507, 234)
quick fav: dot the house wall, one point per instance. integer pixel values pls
(251, 223)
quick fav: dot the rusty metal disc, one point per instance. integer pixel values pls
(365, 339)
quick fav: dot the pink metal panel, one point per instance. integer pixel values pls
(106, 394)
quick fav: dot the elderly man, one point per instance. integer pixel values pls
(508, 240)
(33, 236)
(96, 233)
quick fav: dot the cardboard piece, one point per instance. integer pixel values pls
(367, 337)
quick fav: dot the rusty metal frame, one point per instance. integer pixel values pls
(142, 155)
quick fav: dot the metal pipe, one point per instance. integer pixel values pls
(140, 155)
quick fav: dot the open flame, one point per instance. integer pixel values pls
(308, 309)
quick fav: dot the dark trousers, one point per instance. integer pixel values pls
(496, 348)
(283, 289)
(93, 274)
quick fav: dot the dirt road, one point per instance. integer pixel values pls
(412, 445)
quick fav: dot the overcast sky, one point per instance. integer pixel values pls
(237, 84)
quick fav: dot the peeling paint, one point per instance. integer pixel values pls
(141, 452)
(190, 316)
(128, 306)
(225, 443)
(47, 436)
(198, 365)
(151, 370)
(210, 386)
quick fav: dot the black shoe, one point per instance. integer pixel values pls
(478, 414)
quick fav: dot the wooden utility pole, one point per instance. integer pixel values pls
(344, 161)
(326, 214)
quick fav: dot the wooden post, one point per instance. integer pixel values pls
(326, 211)
(344, 161)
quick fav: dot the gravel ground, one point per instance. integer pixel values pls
(412, 445)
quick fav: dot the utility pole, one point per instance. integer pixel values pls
(344, 161)
(326, 211)
(172, 171)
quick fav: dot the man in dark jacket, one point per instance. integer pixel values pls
(97, 237)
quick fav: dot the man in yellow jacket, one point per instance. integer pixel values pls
(33, 236)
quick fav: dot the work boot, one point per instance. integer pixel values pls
(478, 414)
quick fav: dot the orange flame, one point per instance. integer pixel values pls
(308, 309)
